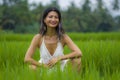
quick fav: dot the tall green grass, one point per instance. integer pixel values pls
(74, 36)
(100, 61)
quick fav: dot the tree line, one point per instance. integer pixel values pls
(20, 17)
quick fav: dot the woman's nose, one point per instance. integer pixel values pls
(53, 19)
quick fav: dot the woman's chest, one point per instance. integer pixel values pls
(51, 46)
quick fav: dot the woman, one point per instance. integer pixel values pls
(51, 41)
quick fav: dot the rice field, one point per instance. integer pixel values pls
(100, 61)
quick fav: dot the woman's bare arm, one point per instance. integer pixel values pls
(34, 44)
(75, 51)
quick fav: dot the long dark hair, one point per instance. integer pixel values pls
(59, 29)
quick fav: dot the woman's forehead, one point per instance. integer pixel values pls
(53, 13)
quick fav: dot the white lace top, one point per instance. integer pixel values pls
(45, 55)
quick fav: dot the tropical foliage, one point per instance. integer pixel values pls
(21, 17)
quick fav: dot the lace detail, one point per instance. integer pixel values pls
(45, 55)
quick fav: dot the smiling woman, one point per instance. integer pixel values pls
(51, 41)
(52, 19)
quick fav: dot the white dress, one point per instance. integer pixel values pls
(45, 55)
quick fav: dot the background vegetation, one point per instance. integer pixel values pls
(20, 17)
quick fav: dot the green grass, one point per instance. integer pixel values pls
(74, 36)
(100, 61)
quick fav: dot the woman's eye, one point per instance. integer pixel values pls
(56, 17)
(50, 16)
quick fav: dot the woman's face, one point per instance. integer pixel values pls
(52, 19)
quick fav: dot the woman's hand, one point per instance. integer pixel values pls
(46, 66)
(53, 61)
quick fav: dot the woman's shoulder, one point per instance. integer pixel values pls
(37, 37)
(65, 36)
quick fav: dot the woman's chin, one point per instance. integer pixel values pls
(53, 26)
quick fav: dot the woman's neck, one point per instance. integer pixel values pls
(51, 32)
